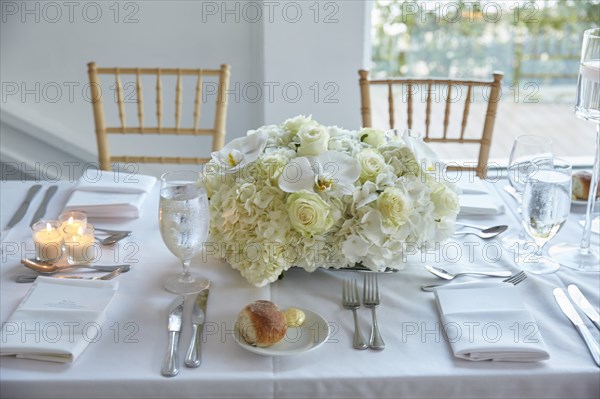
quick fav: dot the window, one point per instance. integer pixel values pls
(535, 43)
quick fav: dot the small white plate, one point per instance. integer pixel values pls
(309, 336)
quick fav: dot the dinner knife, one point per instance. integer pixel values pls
(41, 211)
(193, 358)
(33, 190)
(170, 366)
(584, 304)
(571, 313)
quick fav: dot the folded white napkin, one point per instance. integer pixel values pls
(490, 323)
(57, 319)
(479, 204)
(471, 185)
(113, 195)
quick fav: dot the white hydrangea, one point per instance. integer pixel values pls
(264, 224)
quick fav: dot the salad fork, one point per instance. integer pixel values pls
(351, 300)
(514, 280)
(371, 299)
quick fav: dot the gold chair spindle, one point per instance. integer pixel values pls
(178, 98)
(140, 99)
(120, 100)
(466, 112)
(447, 112)
(198, 101)
(159, 101)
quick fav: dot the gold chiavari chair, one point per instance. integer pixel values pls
(440, 85)
(102, 130)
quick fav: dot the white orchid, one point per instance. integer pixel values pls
(331, 172)
(239, 152)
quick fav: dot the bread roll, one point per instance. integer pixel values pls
(581, 185)
(262, 323)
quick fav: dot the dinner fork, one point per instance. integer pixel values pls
(514, 280)
(351, 300)
(371, 299)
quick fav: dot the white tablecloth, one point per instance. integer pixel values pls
(417, 362)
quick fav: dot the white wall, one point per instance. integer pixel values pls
(291, 58)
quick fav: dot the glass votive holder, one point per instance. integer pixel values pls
(72, 221)
(79, 247)
(48, 240)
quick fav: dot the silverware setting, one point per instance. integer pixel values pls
(170, 365)
(128, 232)
(351, 300)
(20, 213)
(109, 276)
(567, 308)
(49, 268)
(482, 232)
(583, 304)
(193, 358)
(41, 211)
(371, 299)
(442, 273)
(514, 280)
(113, 238)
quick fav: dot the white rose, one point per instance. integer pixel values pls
(395, 206)
(294, 125)
(308, 213)
(371, 164)
(373, 137)
(313, 140)
(445, 201)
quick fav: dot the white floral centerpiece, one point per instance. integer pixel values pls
(307, 195)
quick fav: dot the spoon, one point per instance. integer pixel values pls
(113, 239)
(49, 268)
(484, 233)
(111, 231)
(441, 273)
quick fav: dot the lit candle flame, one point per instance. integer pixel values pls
(48, 227)
(70, 221)
(80, 231)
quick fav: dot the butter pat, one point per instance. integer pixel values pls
(294, 317)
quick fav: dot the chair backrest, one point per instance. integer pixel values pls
(102, 130)
(411, 84)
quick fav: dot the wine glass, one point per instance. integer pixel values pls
(545, 208)
(583, 257)
(529, 153)
(183, 218)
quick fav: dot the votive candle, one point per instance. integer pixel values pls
(48, 240)
(72, 221)
(79, 246)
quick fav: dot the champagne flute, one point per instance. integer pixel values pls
(545, 207)
(183, 219)
(584, 257)
(529, 153)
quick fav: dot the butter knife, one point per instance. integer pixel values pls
(193, 358)
(33, 190)
(41, 211)
(584, 304)
(170, 366)
(571, 313)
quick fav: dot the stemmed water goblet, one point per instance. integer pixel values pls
(529, 153)
(584, 257)
(545, 208)
(184, 220)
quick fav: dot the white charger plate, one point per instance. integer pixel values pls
(309, 336)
